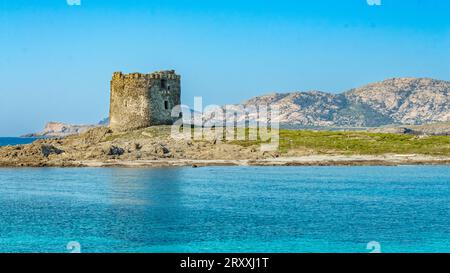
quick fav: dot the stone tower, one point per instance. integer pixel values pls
(142, 100)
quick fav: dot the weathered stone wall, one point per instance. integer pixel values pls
(142, 100)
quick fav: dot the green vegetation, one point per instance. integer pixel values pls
(328, 142)
(363, 143)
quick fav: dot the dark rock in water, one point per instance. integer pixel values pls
(48, 150)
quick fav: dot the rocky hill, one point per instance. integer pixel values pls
(394, 101)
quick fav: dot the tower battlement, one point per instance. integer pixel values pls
(165, 74)
(142, 100)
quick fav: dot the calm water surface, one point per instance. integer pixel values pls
(15, 140)
(226, 209)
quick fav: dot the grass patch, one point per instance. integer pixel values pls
(325, 142)
(363, 143)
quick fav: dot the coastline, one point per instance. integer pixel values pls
(312, 160)
(154, 147)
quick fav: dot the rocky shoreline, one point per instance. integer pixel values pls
(154, 147)
(318, 160)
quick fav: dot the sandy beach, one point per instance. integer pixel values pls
(314, 160)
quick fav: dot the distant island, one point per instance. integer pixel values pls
(61, 129)
(397, 121)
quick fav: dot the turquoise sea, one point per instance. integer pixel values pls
(15, 140)
(226, 209)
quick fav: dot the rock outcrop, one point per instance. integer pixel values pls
(101, 144)
(434, 129)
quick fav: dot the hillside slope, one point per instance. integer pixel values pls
(394, 101)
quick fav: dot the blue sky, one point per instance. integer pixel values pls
(57, 60)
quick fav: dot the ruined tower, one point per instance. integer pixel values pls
(142, 100)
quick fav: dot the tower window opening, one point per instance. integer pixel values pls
(163, 84)
(166, 105)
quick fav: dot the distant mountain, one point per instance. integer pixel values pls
(394, 101)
